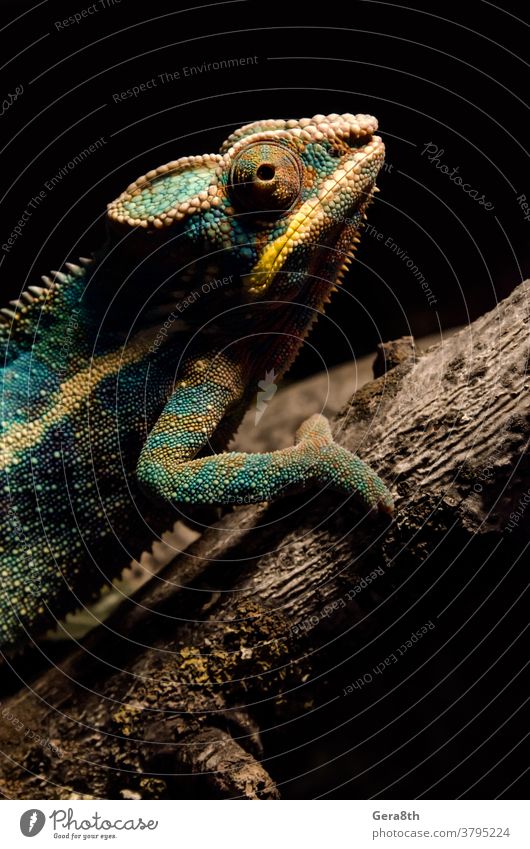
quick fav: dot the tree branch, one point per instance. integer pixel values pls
(244, 630)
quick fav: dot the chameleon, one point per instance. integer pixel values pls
(126, 374)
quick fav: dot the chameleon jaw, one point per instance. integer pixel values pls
(276, 253)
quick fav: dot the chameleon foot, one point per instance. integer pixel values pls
(338, 468)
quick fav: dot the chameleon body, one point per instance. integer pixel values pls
(124, 377)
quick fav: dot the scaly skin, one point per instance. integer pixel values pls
(119, 372)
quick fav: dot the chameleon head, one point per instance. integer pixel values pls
(281, 203)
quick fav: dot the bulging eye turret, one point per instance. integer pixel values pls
(265, 177)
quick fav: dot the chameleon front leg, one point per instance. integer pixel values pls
(166, 469)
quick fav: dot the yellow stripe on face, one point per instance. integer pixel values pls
(275, 254)
(70, 397)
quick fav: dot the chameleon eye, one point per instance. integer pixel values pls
(265, 177)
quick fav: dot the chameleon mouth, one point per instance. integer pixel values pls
(344, 195)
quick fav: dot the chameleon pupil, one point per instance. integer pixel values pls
(266, 172)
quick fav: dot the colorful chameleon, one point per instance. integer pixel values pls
(125, 377)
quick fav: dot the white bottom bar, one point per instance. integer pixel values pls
(262, 825)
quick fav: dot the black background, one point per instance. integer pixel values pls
(457, 83)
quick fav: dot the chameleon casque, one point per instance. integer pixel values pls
(125, 377)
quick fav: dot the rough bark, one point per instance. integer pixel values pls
(170, 697)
